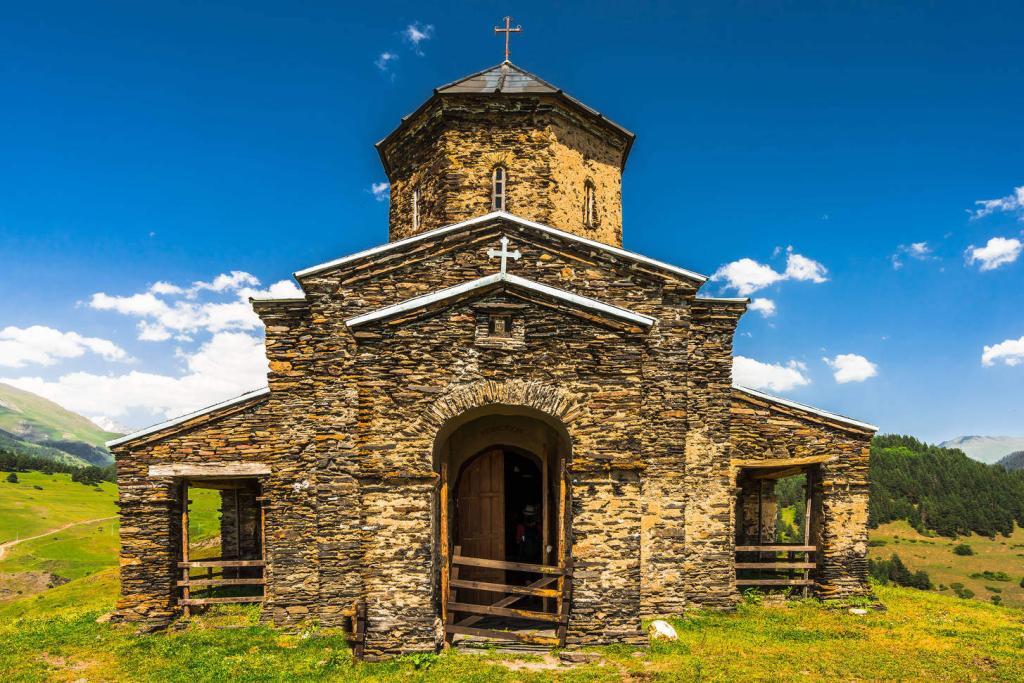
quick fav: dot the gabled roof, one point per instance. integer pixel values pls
(508, 79)
(504, 78)
(517, 221)
(500, 280)
(247, 396)
(805, 408)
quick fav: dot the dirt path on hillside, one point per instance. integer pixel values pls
(4, 547)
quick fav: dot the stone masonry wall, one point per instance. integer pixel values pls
(763, 429)
(448, 154)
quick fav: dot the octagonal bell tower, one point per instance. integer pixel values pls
(503, 139)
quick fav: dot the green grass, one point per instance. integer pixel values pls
(935, 555)
(27, 511)
(921, 636)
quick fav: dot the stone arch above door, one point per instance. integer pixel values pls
(551, 404)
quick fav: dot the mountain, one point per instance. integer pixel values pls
(33, 425)
(1014, 461)
(986, 449)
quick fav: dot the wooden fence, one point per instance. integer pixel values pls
(783, 570)
(561, 594)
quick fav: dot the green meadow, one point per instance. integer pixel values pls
(49, 631)
(918, 636)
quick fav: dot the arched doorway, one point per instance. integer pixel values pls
(502, 522)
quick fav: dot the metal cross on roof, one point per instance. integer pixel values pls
(508, 31)
(504, 253)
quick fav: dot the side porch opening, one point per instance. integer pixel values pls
(778, 512)
(222, 556)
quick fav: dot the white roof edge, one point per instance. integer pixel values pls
(803, 406)
(488, 280)
(265, 391)
(633, 256)
(272, 299)
(726, 299)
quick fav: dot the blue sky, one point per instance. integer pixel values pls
(172, 143)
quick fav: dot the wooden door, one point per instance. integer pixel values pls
(480, 504)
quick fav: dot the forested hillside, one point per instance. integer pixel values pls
(942, 490)
(1014, 461)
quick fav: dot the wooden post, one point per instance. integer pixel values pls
(263, 541)
(545, 505)
(563, 601)
(809, 486)
(449, 638)
(360, 629)
(443, 556)
(186, 571)
(238, 530)
(545, 498)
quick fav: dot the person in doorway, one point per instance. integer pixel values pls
(528, 537)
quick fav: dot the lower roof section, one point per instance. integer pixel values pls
(231, 402)
(818, 412)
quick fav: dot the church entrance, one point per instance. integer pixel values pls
(503, 530)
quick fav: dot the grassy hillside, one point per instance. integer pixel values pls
(41, 503)
(27, 420)
(936, 556)
(921, 636)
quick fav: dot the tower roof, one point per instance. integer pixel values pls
(508, 79)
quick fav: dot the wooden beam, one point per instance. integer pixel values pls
(503, 588)
(774, 582)
(775, 565)
(222, 582)
(783, 462)
(775, 473)
(776, 548)
(501, 564)
(223, 469)
(502, 635)
(191, 564)
(223, 601)
(502, 612)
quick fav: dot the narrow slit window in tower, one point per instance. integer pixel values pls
(498, 183)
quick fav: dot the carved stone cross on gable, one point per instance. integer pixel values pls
(504, 253)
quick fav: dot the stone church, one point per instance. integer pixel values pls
(499, 424)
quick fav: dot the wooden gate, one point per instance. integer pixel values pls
(473, 596)
(560, 592)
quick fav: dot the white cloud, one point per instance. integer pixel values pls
(999, 251)
(1011, 203)
(164, 317)
(165, 288)
(416, 33)
(747, 276)
(1009, 352)
(40, 345)
(229, 364)
(380, 191)
(384, 61)
(851, 367)
(754, 374)
(765, 307)
(919, 251)
(227, 281)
